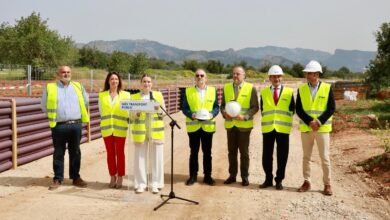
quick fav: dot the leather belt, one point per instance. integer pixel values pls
(69, 122)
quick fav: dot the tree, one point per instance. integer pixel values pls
(119, 62)
(93, 58)
(214, 66)
(296, 70)
(192, 65)
(31, 41)
(379, 69)
(138, 64)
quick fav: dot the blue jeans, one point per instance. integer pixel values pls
(66, 135)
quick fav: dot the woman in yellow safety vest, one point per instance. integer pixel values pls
(114, 126)
(148, 136)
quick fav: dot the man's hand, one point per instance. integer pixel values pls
(240, 117)
(314, 125)
(193, 116)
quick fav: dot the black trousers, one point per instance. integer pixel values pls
(282, 142)
(207, 141)
(238, 140)
(66, 136)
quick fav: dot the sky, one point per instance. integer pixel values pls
(213, 24)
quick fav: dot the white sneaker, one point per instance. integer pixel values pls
(155, 190)
(139, 190)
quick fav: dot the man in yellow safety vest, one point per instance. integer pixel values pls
(239, 127)
(200, 106)
(66, 104)
(315, 107)
(277, 109)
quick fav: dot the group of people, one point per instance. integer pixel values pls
(66, 104)
(314, 105)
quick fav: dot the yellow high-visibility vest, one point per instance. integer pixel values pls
(195, 105)
(315, 108)
(244, 98)
(278, 117)
(113, 120)
(51, 104)
(138, 127)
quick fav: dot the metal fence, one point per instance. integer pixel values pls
(27, 80)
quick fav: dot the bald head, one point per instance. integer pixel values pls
(200, 78)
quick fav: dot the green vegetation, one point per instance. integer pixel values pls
(378, 75)
(365, 107)
(30, 41)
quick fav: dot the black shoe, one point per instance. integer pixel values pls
(209, 180)
(230, 180)
(191, 180)
(245, 181)
(279, 186)
(266, 184)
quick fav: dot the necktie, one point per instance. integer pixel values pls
(276, 96)
(236, 92)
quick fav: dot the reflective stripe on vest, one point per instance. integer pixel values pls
(195, 105)
(244, 98)
(51, 104)
(276, 117)
(315, 108)
(138, 127)
(113, 120)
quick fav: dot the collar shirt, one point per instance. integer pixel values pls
(201, 93)
(314, 89)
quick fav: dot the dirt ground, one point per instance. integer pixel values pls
(24, 192)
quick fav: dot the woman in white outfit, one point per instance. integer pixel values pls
(148, 131)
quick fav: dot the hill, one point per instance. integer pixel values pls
(355, 60)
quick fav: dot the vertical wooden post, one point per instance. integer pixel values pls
(14, 135)
(89, 126)
(177, 100)
(169, 100)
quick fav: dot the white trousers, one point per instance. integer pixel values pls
(322, 139)
(156, 163)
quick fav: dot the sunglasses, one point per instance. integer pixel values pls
(65, 71)
(199, 75)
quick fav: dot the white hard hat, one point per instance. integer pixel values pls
(202, 114)
(313, 66)
(233, 108)
(275, 70)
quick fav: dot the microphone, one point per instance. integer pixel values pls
(151, 96)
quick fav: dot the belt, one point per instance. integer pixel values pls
(69, 122)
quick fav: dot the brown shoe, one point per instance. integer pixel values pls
(328, 190)
(305, 187)
(55, 185)
(80, 182)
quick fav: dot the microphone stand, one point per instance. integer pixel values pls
(172, 195)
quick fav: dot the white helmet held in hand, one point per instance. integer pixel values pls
(233, 109)
(202, 114)
(275, 70)
(313, 66)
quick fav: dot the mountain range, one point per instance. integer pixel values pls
(355, 60)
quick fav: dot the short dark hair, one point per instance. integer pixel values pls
(107, 81)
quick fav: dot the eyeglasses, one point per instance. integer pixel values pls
(199, 75)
